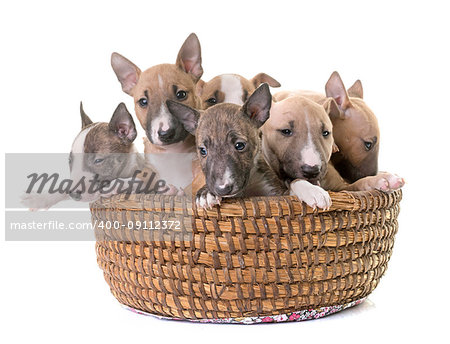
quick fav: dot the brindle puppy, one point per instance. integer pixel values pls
(102, 155)
(229, 148)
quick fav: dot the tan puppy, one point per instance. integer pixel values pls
(150, 90)
(355, 128)
(231, 88)
(298, 143)
(154, 86)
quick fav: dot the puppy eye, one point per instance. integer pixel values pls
(368, 145)
(239, 146)
(203, 151)
(325, 133)
(181, 95)
(212, 101)
(286, 132)
(98, 161)
(143, 102)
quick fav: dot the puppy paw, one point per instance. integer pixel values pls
(206, 199)
(384, 181)
(36, 201)
(171, 190)
(312, 195)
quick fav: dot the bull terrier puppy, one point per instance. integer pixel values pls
(229, 148)
(154, 86)
(355, 128)
(151, 89)
(231, 88)
(102, 153)
(298, 143)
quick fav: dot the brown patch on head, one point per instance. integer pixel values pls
(154, 86)
(297, 139)
(231, 88)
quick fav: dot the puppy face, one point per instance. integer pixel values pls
(153, 87)
(298, 140)
(227, 139)
(102, 149)
(231, 88)
(356, 131)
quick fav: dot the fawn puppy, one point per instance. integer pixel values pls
(168, 146)
(355, 128)
(298, 143)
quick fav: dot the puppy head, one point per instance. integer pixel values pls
(154, 86)
(231, 88)
(228, 140)
(356, 130)
(102, 149)
(298, 140)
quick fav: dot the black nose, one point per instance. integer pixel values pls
(76, 195)
(310, 171)
(166, 134)
(223, 190)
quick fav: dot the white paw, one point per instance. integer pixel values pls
(312, 195)
(207, 200)
(394, 182)
(386, 182)
(36, 201)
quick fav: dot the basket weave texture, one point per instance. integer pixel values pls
(249, 257)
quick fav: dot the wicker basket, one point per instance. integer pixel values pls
(254, 257)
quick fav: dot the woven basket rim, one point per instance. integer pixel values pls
(242, 207)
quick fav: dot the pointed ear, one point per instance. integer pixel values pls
(186, 115)
(260, 78)
(85, 120)
(122, 124)
(335, 88)
(257, 107)
(189, 57)
(126, 71)
(199, 87)
(335, 148)
(356, 90)
(333, 110)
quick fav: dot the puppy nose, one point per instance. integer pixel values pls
(310, 171)
(224, 189)
(166, 134)
(76, 195)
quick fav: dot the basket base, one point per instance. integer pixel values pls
(307, 314)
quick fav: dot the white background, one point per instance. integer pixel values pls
(55, 54)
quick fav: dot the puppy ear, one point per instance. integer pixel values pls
(186, 115)
(333, 110)
(199, 87)
(260, 78)
(257, 107)
(356, 90)
(189, 57)
(126, 71)
(335, 88)
(85, 120)
(335, 148)
(122, 124)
